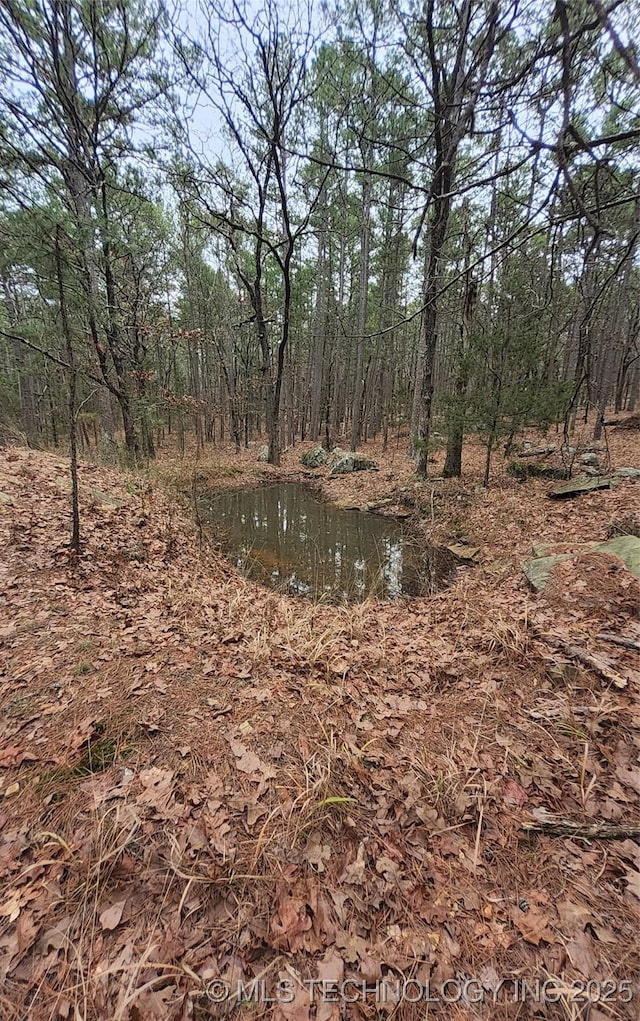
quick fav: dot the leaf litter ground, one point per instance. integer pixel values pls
(202, 781)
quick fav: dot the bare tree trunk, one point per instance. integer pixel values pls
(73, 443)
(454, 102)
(453, 459)
(319, 336)
(361, 323)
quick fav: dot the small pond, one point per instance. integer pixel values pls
(287, 537)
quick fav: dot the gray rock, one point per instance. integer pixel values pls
(590, 458)
(528, 450)
(626, 547)
(314, 458)
(106, 499)
(263, 456)
(577, 486)
(537, 571)
(628, 473)
(343, 462)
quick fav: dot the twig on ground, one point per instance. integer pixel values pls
(593, 662)
(626, 643)
(588, 831)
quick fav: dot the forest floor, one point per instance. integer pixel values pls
(203, 782)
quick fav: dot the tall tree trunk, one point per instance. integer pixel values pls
(73, 441)
(361, 322)
(428, 335)
(453, 459)
(319, 335)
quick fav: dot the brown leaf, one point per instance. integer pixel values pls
(110, 917)
(13, 756)
(316, 852)
(534, 923)
(292, 921)
(354, 947)
(248, 762)
(515, 794)
(299, 1007)
(629, 777)
(582, 954)
(355, 872)
(633, 882)
(331, 974)
(574, 917)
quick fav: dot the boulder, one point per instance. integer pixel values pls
(263, 456)
(343, 462)
(590, 458)
(627, 473)
(314, 458)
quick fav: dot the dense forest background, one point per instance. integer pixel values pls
(277, 223)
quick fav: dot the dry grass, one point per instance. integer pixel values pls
(398, 745)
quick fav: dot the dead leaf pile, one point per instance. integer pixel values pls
(202, 782)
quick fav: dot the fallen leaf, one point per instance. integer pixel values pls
(582, 954)
(13, 756)
(110, 917)
(534, 922)
(633, 882)
(315, 852)
(515, 794)
(299, 1007)
(248, 762)
(290, 923)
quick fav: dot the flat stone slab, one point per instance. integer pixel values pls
(625, 547)
(578, 486)
(106, 499)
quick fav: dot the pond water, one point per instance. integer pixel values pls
(286, 537)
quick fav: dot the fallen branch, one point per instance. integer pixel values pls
(593, 662)
(587, 831)
(626, 643)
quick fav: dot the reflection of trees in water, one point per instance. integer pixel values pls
(285, 537)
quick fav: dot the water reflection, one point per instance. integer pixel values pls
(286, 537)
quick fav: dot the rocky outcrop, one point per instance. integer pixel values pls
(343, 462)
